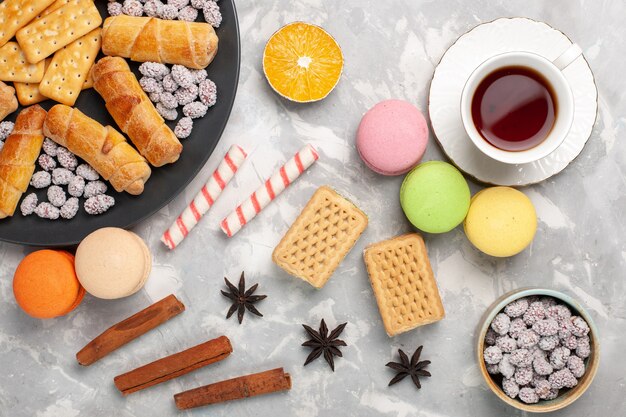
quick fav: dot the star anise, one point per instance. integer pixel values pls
(412, 367)
(241, 298)
(325, 343)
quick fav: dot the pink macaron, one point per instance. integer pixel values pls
(392, 137)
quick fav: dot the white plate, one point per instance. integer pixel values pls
(456, 65)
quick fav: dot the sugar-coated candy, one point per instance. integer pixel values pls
(46, 210)
(99, 204)
(169, 84)
(94, 188)
(528, 395)
(66, 159)
(188, 14)
(490, 337)
(153, 8)
(506, 344)
(50, 147)
(168, 100)
(548, 342)
(527, 339)
(199, 75)
(196, 110)
(6, 128)
(553, 394)
(168, 12)
(87, 172)
(41, 179)
(1, 145)
(207, 90)
(179, 4)
(76, 186)
(46, 162)
(537, 379)
(56, 196)
(538, 353)
(114, 8)
(580, 327)
(570, 342)
(576, 366)
(154, 97)
(183, 128)
(507, 369)
(562, 379)
(182, 75)
(523, 376)
(543, 388)
(61, 176)
(542, 366)
(28, 205)
(583, 350)
(167, 114)
(154, 70)
(501, 323)
(517, 325)
(492, 355)
(150, 85)
(535, 312)
(510, 387)
(199, 4)
(132, 8)
(546, 327)
(70, 208)
(558, 357)
(186, 95)
(493, 369)
(521, 357)
(558, 312)
(212, 14)
(517, 308)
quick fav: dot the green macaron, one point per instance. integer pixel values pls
(435, 197)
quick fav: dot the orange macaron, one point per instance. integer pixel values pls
(45, 284)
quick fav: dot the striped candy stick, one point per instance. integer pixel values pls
(205, 198)
(275, 185)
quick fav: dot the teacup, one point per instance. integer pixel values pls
(518, 107)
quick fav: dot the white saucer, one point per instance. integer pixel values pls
(456, 65)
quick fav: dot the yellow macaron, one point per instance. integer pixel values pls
(501, 221)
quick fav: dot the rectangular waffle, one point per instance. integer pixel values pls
(320, 238)
(403, 282)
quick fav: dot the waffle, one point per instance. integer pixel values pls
(403, 282)
(320, 238)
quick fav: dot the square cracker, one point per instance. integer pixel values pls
(53, 7)
(15, 14)
(15, 67)
(403, 283)
(28, 93)
(320, 238)
(70, 67)
(52, 32)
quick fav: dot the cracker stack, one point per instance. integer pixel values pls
(403, 282)
(320, 238)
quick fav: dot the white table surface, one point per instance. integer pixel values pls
(390, 50)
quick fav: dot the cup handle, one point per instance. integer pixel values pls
(568, 57)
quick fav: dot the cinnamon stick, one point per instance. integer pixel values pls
(173, 366)
(130, 329)
(235, 389)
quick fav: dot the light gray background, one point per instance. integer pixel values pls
(390, 50)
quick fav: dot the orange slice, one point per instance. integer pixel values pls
(302, 62)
